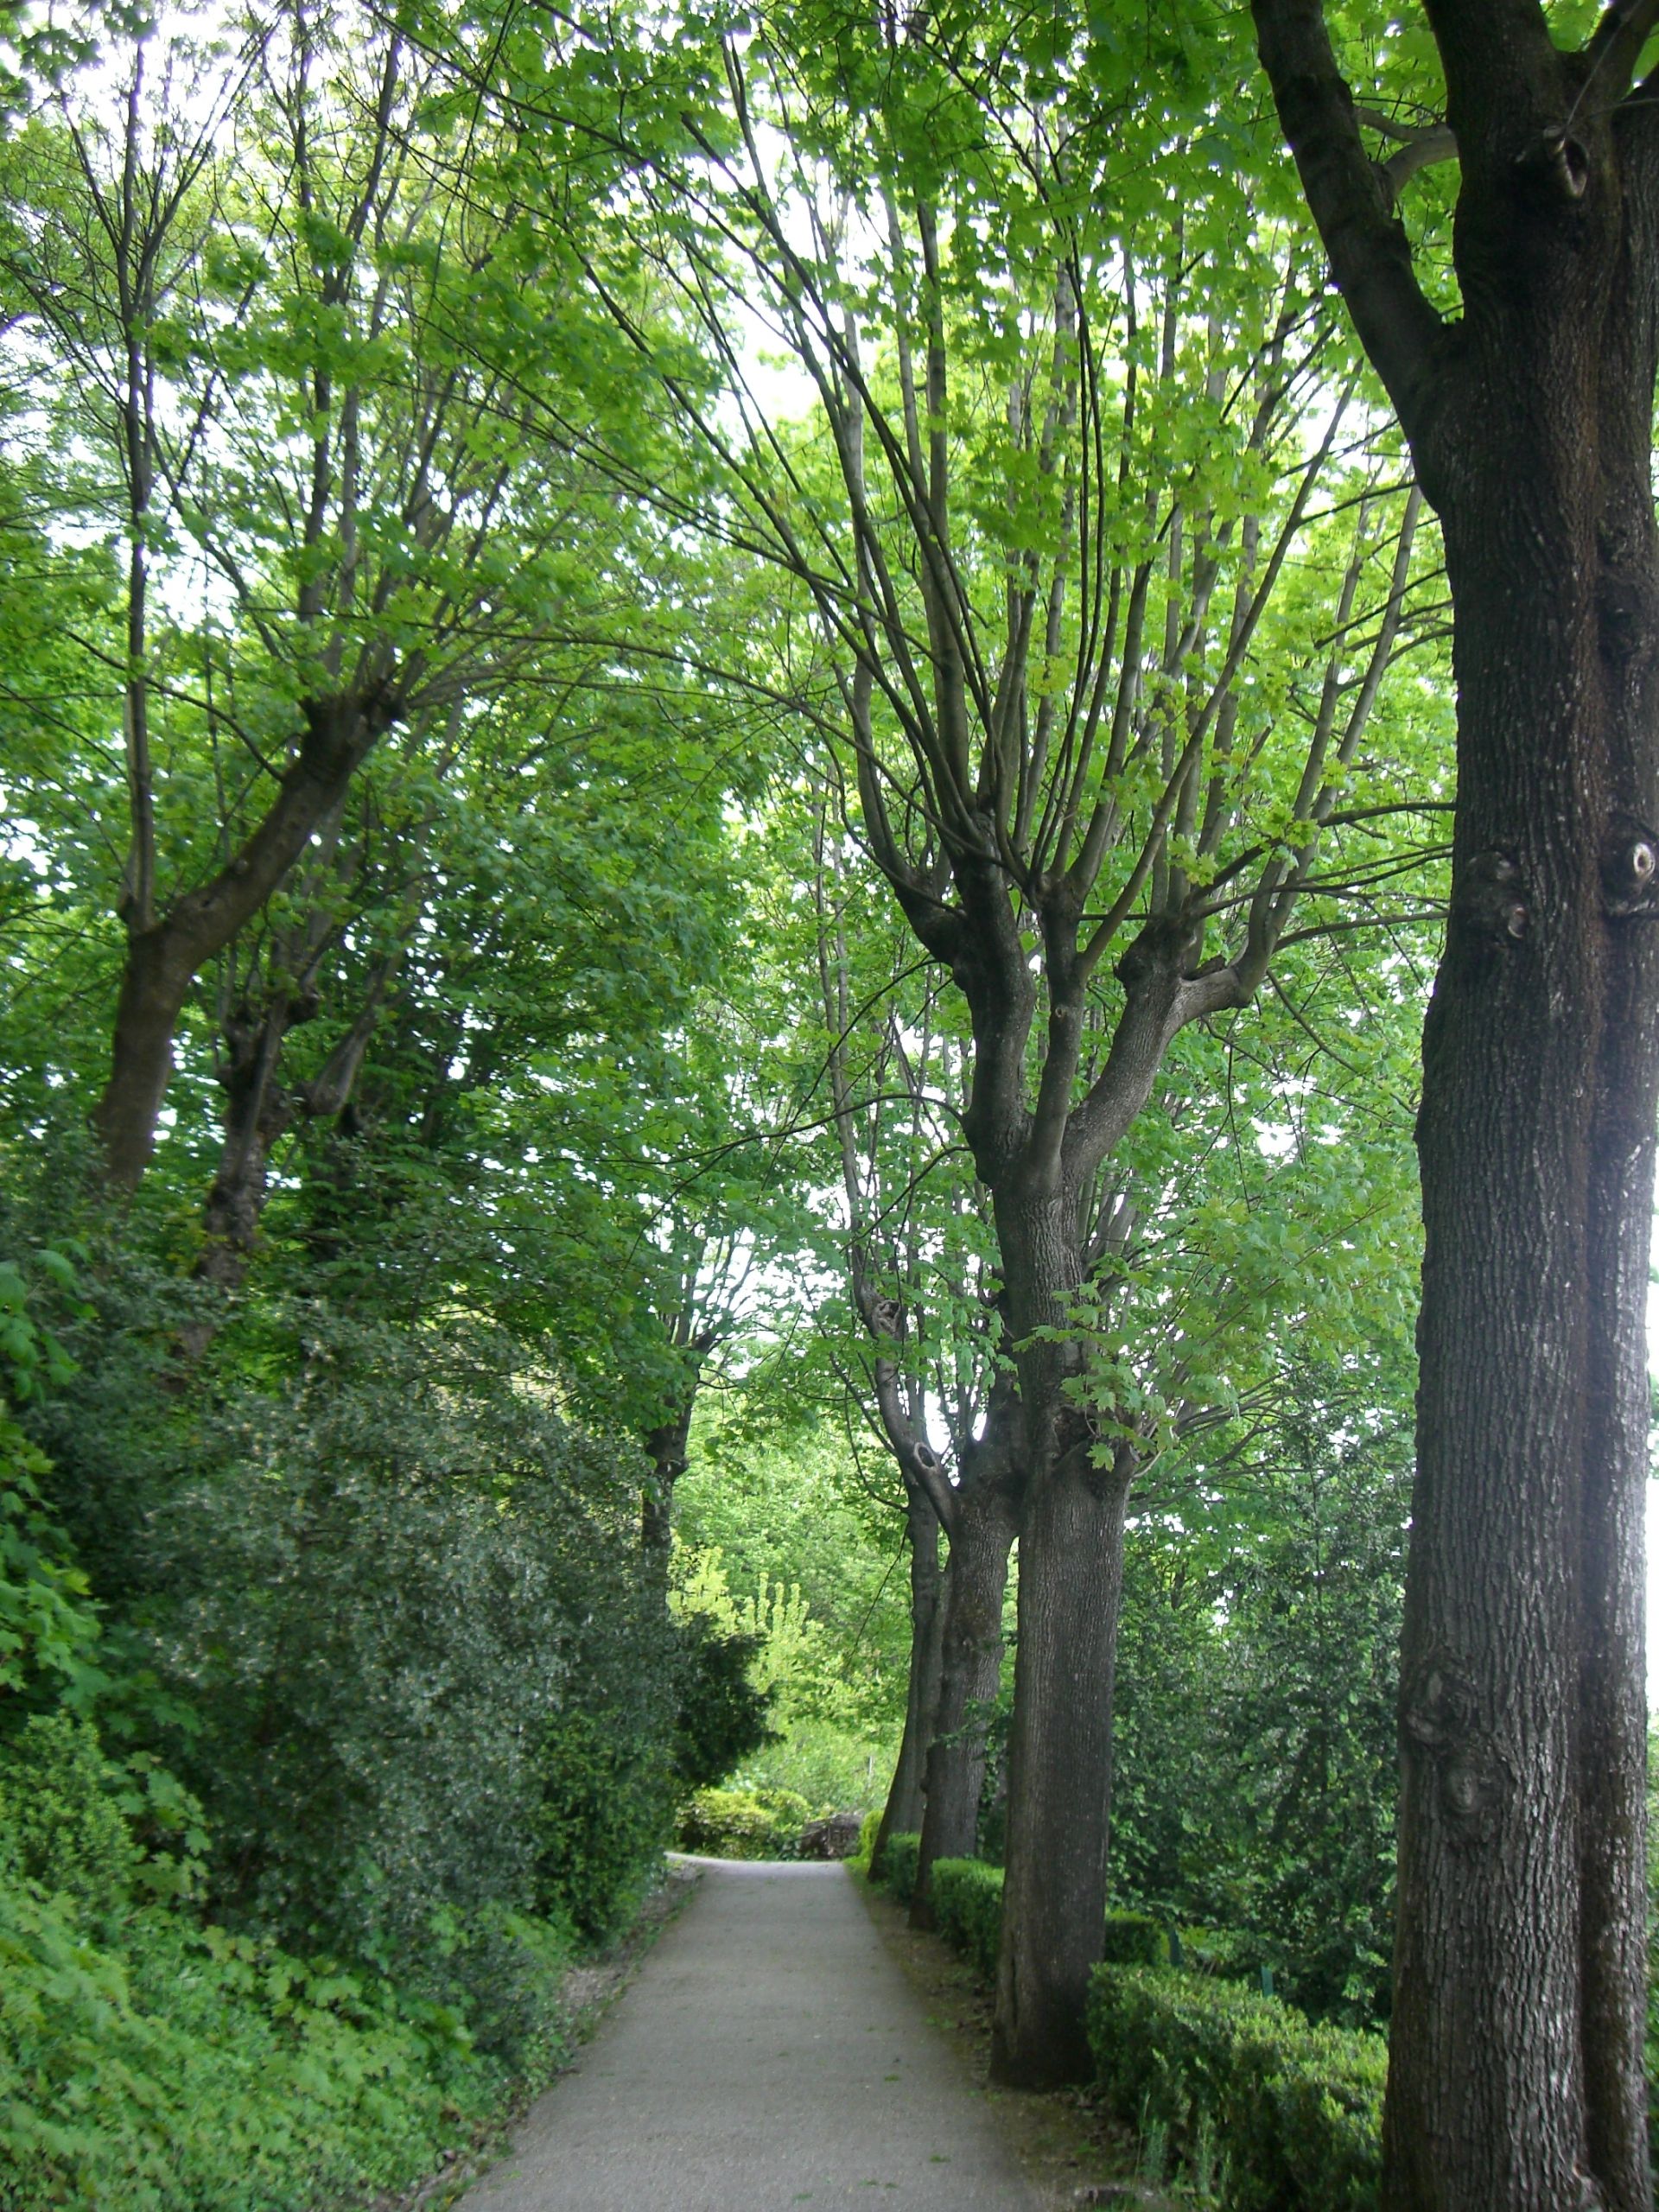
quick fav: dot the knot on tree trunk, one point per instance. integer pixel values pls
(1492, 899)
(1473, 1778)
(1556, 162)
(1629, 867)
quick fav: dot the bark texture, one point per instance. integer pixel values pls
(1071, 1589)
(1516, 2080)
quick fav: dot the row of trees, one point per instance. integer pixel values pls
(732, 639)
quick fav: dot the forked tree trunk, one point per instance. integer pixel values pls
(970, 1675)
(164, 957)
(902, 1814)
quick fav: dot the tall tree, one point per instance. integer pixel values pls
(297, 360)
(1516, 2070)
(1073, 440)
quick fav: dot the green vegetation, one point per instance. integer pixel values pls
(726, 798)
(1235, 2091)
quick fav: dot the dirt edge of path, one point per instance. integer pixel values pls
(586, 1994)
(1072, 2155)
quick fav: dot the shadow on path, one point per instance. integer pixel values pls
(770, 2055)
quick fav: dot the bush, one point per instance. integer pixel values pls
(1134, 1939)
(605, 1815)
(1295, 2111)
(901, 1864)
(968, 1909)
(862, 1861)
(744, 1823)
(722, 1716)
(154, 2065)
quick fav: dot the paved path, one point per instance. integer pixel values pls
(770, 2055)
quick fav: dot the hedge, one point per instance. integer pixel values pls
(1295, 2111)
(900, 1863)
(968, 1908)
(743, 1824)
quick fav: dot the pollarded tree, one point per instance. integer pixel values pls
(1099, 654)
(1517, 2073)
(918, 1257)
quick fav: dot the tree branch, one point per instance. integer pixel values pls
(1370, 253)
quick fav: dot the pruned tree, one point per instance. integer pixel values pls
(1079, 471)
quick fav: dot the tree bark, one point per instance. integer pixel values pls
(1516, 2080)
(969, 1677)
(1060, 1784)
(902, 1814)
(665, 1447)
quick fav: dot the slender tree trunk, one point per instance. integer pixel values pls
(902, 1814)
(257, 1112)
(665, 1447)
(970, 1676)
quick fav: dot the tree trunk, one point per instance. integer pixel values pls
(1516, 2083)
(164, 957)
(257, 1112)
(902, 1814)
(1516, 2080)
(665, 1447)
(970, 1676)
(1059, 1786)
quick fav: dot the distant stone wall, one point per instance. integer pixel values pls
(835, 1838)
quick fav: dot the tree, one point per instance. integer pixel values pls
(1071, 441)
(919, 1265)
(1516, 2069)
(301, 372)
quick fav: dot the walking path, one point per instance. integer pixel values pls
(770, 2056)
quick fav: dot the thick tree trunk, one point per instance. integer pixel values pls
(970, 1676)
(902, 1814)
(154, 981)
(1059, 1751)
(1515, 2073)
(1516, 2082)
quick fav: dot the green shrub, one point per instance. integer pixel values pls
(744, 1823)
(193, 2072)
(900, 1863)
(1134, 1939)
(603, 1819)
(60, 1825)
(968, 1909)
(722, 1716)
(1295, 2111)
(862, 1861)
(150, 2064)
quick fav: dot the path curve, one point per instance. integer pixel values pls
(770, 2056)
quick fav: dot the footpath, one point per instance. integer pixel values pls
(769, 2055)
